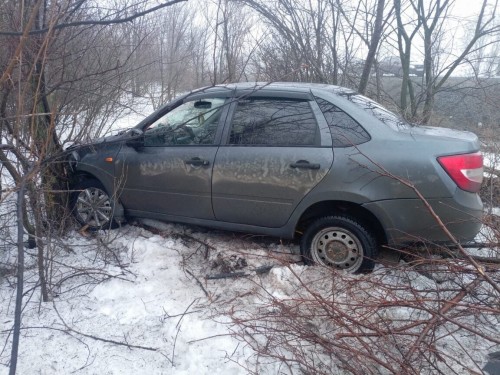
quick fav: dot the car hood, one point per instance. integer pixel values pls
(101, 142)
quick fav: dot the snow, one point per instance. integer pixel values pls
(148, 289)
(151, 302)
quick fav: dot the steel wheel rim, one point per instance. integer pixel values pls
(337, 247)
(93, 207)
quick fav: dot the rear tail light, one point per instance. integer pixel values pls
(466, 170)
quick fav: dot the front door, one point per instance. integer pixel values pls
(170, 173)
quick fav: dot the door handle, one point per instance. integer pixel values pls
(304, 164)
(196, 162)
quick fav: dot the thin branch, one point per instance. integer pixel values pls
(199, 283)
(178, 326)
(120, 343)
(95, 22)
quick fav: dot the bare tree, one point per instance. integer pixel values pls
(431, 21)
(372, 46)
(405, 39)
(326, 38)
(162, 50)
(226, 46)
(297, 33)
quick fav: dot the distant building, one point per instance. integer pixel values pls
(391, 66)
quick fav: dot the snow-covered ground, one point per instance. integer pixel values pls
(152, 300)
(138, 301)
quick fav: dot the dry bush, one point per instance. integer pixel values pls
(394, 321)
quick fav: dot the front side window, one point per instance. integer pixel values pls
(344, 129)
(274, 122)
(192, 123)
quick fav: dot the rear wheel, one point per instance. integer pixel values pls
(339, 242)
(92, 205)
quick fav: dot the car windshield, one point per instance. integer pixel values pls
(387, 117)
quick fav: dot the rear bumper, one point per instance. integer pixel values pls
(409, 220)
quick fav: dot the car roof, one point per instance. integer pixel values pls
(288, 86)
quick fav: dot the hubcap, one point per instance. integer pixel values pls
(337, 247)
(94, 207)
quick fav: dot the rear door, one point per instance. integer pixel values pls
(274, 151)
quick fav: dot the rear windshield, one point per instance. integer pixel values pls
(387, 117)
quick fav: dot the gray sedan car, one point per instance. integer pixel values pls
(319, 163)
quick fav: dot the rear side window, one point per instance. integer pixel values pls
(274, 122)
(344, 129)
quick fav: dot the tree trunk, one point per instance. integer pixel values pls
(429, 78)
(372, 51)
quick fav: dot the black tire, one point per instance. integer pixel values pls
(91, 205)
(340, 242)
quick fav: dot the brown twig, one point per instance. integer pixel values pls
(97, 338)
(199, 283)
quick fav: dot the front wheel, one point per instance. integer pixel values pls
(339, 242)
(92, 205)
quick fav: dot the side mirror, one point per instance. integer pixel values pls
(137, 139)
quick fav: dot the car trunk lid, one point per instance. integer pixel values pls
(457, 153)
